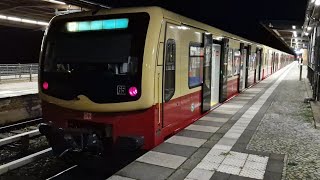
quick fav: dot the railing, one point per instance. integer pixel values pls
(18, 71)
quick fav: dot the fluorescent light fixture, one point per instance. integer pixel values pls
(22, 20)
(293, 27)
(28, 21)
(97, 25)
(56, 2)
(309, 28)
(317, 3)
(42, 23)
(14, 18)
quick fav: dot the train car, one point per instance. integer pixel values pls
(130, 78)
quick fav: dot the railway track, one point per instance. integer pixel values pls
(18, 136)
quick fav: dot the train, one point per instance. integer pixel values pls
(130, 78)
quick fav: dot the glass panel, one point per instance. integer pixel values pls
(169, 86)
(195, 65)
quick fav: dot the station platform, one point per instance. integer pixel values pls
(263, 133)
(14, 89)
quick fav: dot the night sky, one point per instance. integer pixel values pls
(239, 17)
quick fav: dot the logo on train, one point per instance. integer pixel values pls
(192, 107)
(121, 90)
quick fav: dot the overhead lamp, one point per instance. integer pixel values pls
(23, 20)
(307, 34)
(309, 28)
(293, 27)
(56, 2)
(317, 3)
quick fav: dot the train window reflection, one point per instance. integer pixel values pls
(170, 66)
(196, 56)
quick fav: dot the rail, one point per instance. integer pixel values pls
(18, 71)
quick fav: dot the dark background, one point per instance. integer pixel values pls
(240, 17)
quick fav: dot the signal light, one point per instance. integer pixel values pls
(133, 91)
(45, 85)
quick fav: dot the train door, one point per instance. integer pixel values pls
(242, 72)
(248, 51)
(258, 71)
(215, 73)
(207, 64)
(224, 70)
(171, 89)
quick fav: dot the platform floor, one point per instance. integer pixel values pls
(13, 89)
(252, 136)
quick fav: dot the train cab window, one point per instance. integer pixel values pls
(170, 69)
(196, 56)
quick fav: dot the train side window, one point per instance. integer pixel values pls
(230, 63)
(170, 69)
(196, 56)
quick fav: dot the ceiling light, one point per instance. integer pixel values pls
(42, 23)
(28, 21)
(14, 19)
(22, 20)
(56, 2)
(293, 27)
(307, 34)
(309, 28)
(317, 3)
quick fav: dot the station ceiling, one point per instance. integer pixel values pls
(289, 32)
(35, 14)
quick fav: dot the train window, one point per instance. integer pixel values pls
(236, 60)
(230, 63)
(170, 69)
(196, 56)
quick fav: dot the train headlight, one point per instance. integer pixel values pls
(133, 91)
(45, 85)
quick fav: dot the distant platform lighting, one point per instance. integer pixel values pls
(307, 34)
(295, 33)
(56, 2)
(22, 20)
(293, 27)
(309, 28)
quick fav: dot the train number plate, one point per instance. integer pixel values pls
(87, 116)
(121, 90)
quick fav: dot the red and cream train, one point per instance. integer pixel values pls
(133, 77)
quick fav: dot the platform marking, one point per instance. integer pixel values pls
(253, 166)
(162, 159)
(187, 141)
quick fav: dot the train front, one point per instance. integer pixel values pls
(96, 81)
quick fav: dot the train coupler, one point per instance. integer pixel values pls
(71, 141)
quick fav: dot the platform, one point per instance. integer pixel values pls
(249, 137)
(14, 89)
